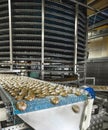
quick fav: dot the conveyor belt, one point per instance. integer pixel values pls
(37, 103)
(62, 102)
(40, 104)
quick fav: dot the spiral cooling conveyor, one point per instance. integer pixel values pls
(43, 39)
(29, 32)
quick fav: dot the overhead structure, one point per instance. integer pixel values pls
(45, 36)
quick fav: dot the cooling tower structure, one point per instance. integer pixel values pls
(43, 36)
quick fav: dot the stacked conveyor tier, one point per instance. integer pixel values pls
(26, 21)
(47, 23)
(59, 32)
(82, 42)
(82, 21)
(4, 31)
(59, 37)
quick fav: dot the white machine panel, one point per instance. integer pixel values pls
(59, 118)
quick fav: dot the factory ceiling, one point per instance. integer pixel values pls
(97, 21)
(98, 4)
(99, 18)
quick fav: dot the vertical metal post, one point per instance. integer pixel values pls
(42, 45)
(86, 54)
(76, 39)
(10, 34)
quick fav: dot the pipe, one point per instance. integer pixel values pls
(43, 35)
(76, 39)
(10, 35)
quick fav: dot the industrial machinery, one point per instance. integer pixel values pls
(99, 118)
(42, 105)
(43, 38)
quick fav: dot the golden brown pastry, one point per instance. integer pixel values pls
(21, 105)
(78, 93)
(76, 108)
(30, 97)
(19, 97)
(55, 100)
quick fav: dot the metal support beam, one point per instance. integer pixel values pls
(89, 7)
(42, 45)
(91, 2)
(10, 35)
(84, 5)
(76, 39)
(104, 22)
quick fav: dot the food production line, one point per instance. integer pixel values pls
(42, 105)
(45, 38)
